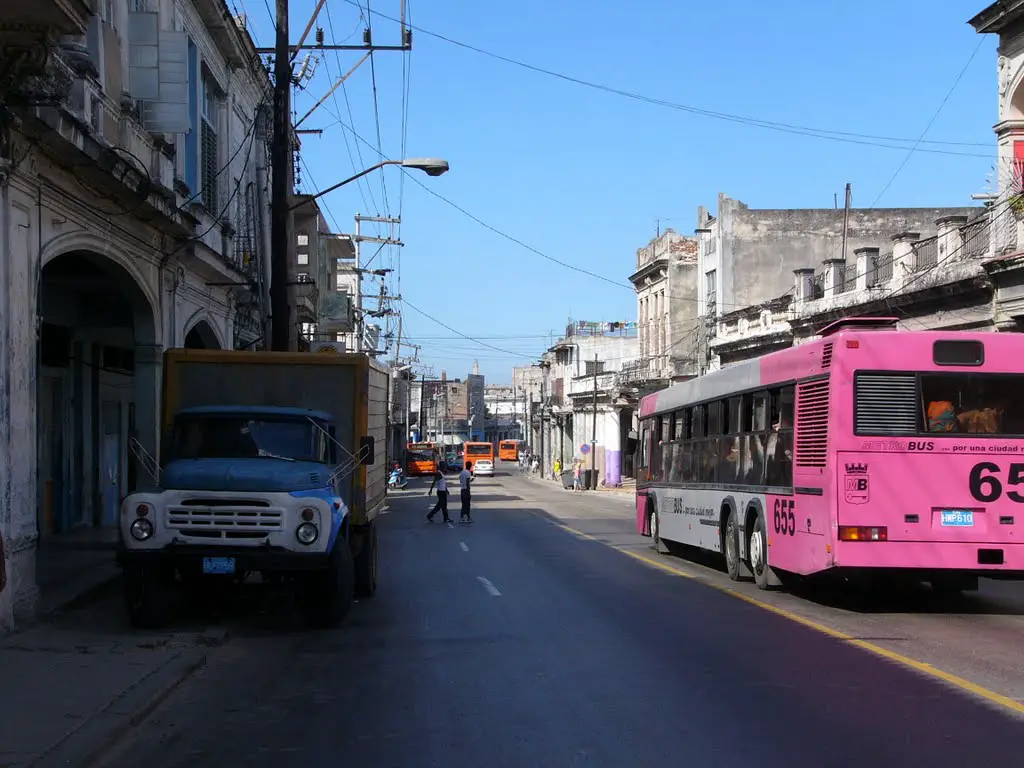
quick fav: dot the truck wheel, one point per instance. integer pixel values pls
(147, 598)
(326, 597)
(366, 563)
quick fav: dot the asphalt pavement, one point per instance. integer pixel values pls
(512, 642)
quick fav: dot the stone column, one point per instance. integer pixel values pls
(803, 287)
(951, 242)
(903, 255)
(613, 449)
(835, 277)
(866, 259)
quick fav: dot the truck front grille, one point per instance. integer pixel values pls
(219, 518)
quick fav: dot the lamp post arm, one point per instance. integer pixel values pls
(342, 183)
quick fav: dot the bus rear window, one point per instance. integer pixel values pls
(987, 404)
(958, 353)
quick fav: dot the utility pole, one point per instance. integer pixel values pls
(846, 221)
(593, 436)
(543, 466)
(359, 239)
(281, 169)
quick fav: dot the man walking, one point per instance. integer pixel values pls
(442, 497)
(465, 478)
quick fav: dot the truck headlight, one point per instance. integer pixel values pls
(307, 533)
(141, 529)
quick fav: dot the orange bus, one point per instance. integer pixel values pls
(421, 458)
(478, 452)
(508, 450)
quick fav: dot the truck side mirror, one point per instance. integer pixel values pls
(366, 445)
(332, 448)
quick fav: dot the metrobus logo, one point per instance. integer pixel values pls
(857, 487)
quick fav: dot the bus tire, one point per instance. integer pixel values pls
(147, 596)
(655, 527)
(325, 597)
(731, 546)
(366, 562)
(757, 548)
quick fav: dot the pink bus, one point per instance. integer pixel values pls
(869, 452)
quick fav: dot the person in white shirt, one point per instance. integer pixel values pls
(465, 478)
(442, 497)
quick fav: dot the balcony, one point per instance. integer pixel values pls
(583, 386)
(640, 371)
(307, 299)
(40, 21)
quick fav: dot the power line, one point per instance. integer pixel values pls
(460, 333)
(483, 223)
(931, 122)
(821, 133)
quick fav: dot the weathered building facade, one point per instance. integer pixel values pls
(666, 282)
(747, 256)
(947, 282)
(577, 372)
(132, 219)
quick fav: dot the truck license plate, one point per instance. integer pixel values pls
(958, 518)
(218, 565)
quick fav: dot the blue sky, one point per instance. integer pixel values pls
(582, 175)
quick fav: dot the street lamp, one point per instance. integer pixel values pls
(432, 166)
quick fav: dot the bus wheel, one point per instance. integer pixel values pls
(732, 546)
(758, 549)
(659, 545)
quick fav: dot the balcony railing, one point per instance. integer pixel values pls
(584, 385)
(307, 296)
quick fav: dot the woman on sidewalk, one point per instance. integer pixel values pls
(577, 475)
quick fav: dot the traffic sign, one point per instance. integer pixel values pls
(585, 449)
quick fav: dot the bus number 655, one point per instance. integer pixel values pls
(784, 517)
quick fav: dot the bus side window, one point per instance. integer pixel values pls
(679, 425)
(779, 453)
(645, 442)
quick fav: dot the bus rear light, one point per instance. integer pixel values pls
(863, 533)
(852, 344)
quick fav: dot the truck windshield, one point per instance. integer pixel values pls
(211, 436)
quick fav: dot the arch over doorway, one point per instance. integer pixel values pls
(99, 368)
(202, 336)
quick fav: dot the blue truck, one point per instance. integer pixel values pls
(270, 467)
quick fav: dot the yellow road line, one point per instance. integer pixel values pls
(919, 666)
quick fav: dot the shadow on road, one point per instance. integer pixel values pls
(994, 598)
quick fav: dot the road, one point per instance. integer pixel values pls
(513, 642)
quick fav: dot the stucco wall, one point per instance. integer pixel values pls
(760, 248)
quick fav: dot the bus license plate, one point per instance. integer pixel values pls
(958, 518)
(218, 565)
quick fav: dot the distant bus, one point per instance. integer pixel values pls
(508, 450)
(476, 451)
(422, 458)
(870, 452)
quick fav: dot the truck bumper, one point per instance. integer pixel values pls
(245, 558)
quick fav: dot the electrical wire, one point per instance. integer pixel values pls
(821, 133)
(456, 331)
(931, 122)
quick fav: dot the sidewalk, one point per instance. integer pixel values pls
(628, 487)
(78, 681)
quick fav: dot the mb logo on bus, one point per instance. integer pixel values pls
(856, 484)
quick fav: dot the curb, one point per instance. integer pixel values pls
(96, 737)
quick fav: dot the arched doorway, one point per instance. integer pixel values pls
(98, 366)
(202, 336)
